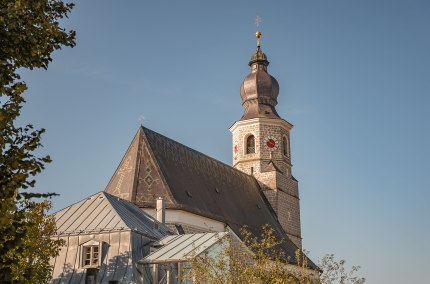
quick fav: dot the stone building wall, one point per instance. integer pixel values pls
(289, 216)
(277, 183)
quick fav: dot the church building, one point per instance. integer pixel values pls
(203, 194)
(199, 194)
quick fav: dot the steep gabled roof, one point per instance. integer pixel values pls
(203, 185)
(103, 212)
(192, 181)
(124, 179)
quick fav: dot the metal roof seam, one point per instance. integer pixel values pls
(200, 245)
(184, 246)
(106, 205)
(90, 211)
(71, 205)
(84, 209)
(102, 219)
(81, 203)
(209, 246)
(172, 241)
(125, 211)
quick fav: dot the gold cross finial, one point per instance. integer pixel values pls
(258, 33)
(257, 21)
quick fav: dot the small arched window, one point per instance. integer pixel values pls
(250, 144)
(285, 146)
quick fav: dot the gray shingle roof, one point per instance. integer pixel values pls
(208, 187)
(197, 183)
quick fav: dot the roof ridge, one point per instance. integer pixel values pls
(130, 213)
(96, 212)
(68, 207)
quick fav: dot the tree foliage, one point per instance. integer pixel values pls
(334, 271)
(258, 260)
(32, 264)
(29, 33)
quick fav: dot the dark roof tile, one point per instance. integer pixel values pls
(205, 186)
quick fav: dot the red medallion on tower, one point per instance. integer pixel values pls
(270, 143)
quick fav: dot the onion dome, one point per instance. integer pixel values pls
(258, 56)
(259, 90)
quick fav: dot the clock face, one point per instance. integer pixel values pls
(235, 151)
(270, 143)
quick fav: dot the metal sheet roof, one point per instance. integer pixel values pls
(103, 212)
(183, 247)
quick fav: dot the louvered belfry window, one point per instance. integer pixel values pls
(250, 144)
(286, 146)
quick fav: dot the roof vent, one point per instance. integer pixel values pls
(188, 193)
(180, 229)
(258, 206)
(217, 190)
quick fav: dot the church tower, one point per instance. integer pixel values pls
(261, 144)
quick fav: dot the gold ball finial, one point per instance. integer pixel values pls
(258, 34)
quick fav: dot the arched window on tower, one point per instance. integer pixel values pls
(250, 144)
(286, 146)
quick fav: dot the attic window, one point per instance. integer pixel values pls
(91, 256)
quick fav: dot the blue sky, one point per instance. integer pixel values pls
(354, 80)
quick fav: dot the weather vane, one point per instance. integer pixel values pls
(258, 33)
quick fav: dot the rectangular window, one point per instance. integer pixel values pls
(91, 255)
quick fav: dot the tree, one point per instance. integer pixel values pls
(258, 260)
(32, 264)
(29, 32)
(335, 272)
